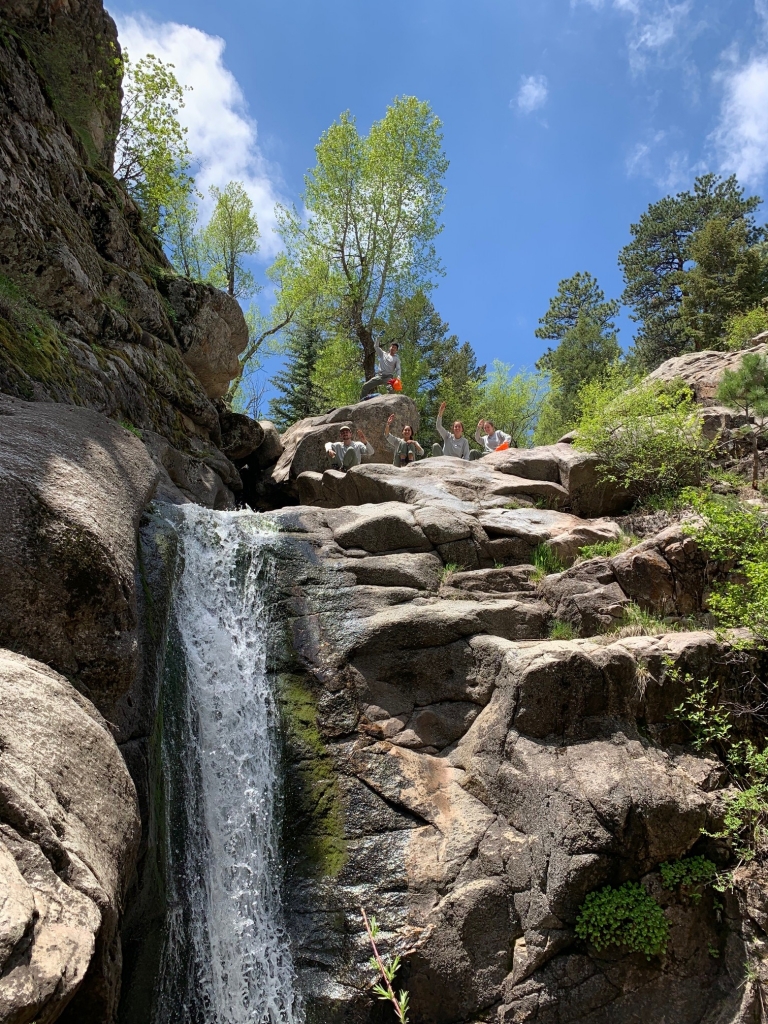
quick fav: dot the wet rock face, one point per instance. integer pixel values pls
(69, 832)
(470, 782)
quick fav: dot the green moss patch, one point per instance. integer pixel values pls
(313, 831)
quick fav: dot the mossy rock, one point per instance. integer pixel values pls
(313, 832)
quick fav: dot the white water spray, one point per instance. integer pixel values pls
(227, 957)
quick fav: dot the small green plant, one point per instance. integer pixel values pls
(514, 504)
(628, 916)
(498, 565)
(609, 548)
(713, 951)
(129, 426)
(386, 970)
(709, 723)
(644, 621)
(447, 573)
(689, 874)
(745, 823)
(561, 630)
(546, 561)
(743, 327)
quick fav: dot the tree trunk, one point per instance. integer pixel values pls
(755, 461)
(365, 337)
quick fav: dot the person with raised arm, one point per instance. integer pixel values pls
(389, 369)
(406, 448)
(345, 452)
(490, 438)
(454, 442)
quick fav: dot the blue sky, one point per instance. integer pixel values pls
(562, 120)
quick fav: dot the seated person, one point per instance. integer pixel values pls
(454, 443)
(406, 449)
(489, 437)
(345, 452)
(389, 367)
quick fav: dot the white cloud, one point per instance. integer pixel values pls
(656, 25)
(221, 132)
(532, 93)
(741, 136)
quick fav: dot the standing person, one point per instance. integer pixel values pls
(489, 437)
(454, 443)
(406, 449)
(345, 452)
(389, 368)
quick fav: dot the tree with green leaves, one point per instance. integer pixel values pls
(230, 235)
(577, 297)
(298, 392)
(742, 327)
(746, 389)
(461, 383)
(373, 205)
(152, 158)
(655, 261)
(511, 401)
(729, 275)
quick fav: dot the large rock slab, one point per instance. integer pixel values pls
(69, 831)
(73, 485)
(703, 371)
(555, 476)
(304, 442)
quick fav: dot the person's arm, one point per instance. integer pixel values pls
(479, 434)
(398, 368)
(465, 449)
(505, 438)
(363, 440)
(439, 423)
(418, 447)
(391, 441)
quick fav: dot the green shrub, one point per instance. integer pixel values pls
(647, 439)
(546, 560)
(609, 548)
(745, 824)
(735, 536)
(628, 916)
(561, 630)
(743, 327)
(689, 873)
(708, 722)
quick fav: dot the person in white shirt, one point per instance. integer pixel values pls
(454, 443)
(389, 367)
(345, 452)
(405, 450)
(489, 437)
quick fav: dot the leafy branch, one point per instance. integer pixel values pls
(386, 972)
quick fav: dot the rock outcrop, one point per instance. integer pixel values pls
(304, 442)
(703, 371)
(554, 476)
(69, 832)
(91, 313)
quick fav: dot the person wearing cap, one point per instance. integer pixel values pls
(454, 443)
(389, 368)
(489, 437)
(345, 452)
(405, 449)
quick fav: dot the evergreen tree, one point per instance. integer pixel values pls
(729, 276)
(576, 296)
(298, 392)
(746, 389)
(654, 262)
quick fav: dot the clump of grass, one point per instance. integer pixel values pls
(608, 548)
(546, 561)
(447, 573)
(561, 630)
(129, 426)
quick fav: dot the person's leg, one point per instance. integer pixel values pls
(350, 458)
(437, 449)
(475, 455)
(371, 385)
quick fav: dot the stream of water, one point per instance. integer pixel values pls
(226, 958)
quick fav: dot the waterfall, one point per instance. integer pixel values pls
(226, 958)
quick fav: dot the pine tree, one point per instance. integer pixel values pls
(299, 395)
(576, 297)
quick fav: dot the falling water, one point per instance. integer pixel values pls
(226, 958)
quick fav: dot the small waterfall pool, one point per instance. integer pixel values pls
(226, 956)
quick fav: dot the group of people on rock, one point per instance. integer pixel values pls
(346, 452)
